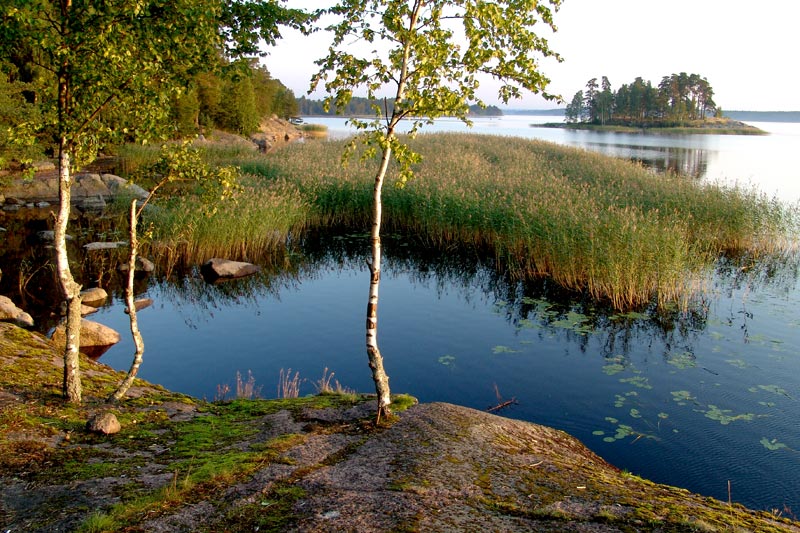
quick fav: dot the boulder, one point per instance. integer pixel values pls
(141, 303)
(105, 423)
(94, 296)
(96, 338)
(216, 268)
(142, 265)
(92, 203)
(87, 310)
(117, 185)
(9, 312)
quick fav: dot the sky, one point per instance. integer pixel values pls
(747, 50)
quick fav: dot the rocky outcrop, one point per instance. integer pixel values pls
(315, 464)
(89, 191)
(221, 269)
(141, 303)
(96, 338)
(9, 312)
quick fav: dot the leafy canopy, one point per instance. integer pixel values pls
(433, 54)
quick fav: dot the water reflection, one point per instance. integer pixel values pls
(678, 160)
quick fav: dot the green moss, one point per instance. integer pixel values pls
(274, 511)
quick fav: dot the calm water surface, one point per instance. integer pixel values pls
(692, 400)
(771, 162)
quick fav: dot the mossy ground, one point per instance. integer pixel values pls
(308, 464)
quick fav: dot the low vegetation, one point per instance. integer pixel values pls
(299, 464)
(594, 224)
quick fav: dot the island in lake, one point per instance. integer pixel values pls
(681, 103)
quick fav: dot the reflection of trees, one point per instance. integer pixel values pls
(537, 305)
(691, 162)
(546, 309)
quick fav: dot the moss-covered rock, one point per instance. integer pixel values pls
(307, 464)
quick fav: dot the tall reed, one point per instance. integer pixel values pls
(590, 222)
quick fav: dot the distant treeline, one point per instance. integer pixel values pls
(233, 97)
(363, 107)
(678, 98)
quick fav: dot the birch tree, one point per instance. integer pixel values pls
(430, 57)
(128, 57)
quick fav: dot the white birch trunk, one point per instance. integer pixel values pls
(70, 290)
(373, 352)
(138, 342)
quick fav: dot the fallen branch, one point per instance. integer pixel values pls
(502, 404)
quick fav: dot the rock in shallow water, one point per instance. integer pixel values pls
(216, 269)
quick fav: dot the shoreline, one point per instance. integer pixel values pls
(315, 463)
(715, 127)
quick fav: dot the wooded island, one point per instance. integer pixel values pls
(680, 103)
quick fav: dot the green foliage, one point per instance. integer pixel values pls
(431, 75)
(181, 162)
(116, 63)
(19, 122)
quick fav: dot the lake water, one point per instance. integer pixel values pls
(694, 400)
(770, 162)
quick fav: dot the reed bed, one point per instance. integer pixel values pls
(255, 222)
(590, 222)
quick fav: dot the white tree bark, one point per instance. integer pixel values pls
(70, 290)
(138, 342)
(373, 352)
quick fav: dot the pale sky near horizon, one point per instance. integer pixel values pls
(746, 50)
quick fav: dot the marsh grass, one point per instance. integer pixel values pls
(594, 224)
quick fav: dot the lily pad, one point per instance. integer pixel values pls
(637, 381)
(613, 368)
(682, 360)
(724, 417)
(503, 349)
(772, 444)
(682, 396)
(447, 360)
(738, 363)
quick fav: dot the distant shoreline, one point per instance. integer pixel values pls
(724, 126)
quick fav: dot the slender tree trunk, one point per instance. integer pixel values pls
(70, 290)
(137, 336)
(373, 352)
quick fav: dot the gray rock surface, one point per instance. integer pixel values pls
(96, 338)
(94, 296)
(11, 313)
(105, 423)
(216, 268)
